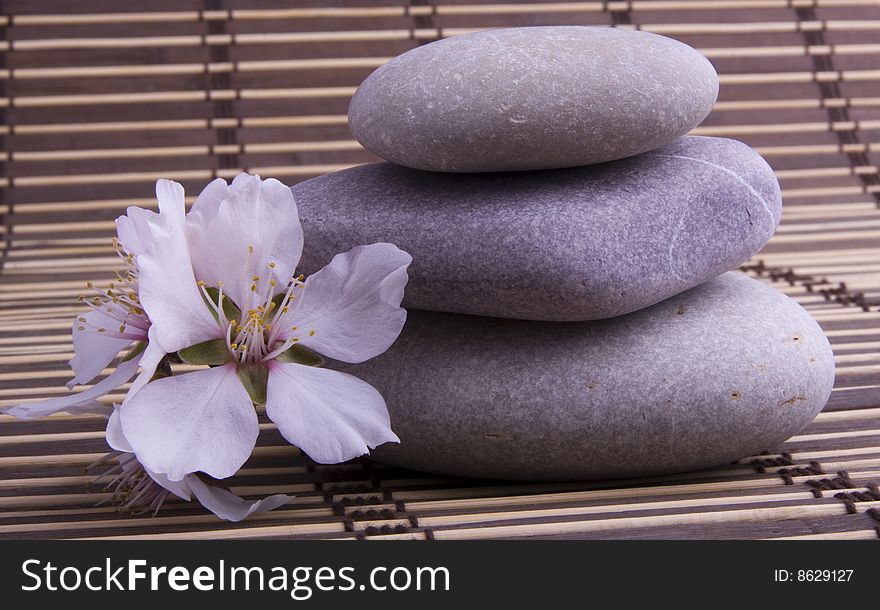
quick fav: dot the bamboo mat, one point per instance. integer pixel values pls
(96, 105)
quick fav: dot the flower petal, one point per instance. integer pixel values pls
(199, 421)
(149, 362)
(331, 416)
(227, 505)
(133, 229)
(352, 304)
(205, 207)
(170, 197)
(94, 350)
(166, 285)
(257, 224)
(203, 211)
(114, 435)
(181, 489)
(81, 402)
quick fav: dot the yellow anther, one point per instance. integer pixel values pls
(201, 283)
(220, 283)
(81, 319)
(273, 283)
(250, 249)
(295, 339)
(253, 287)
(271, 265)
(293, 328)
(122, 328)
(80, 328)
(89, 285)
(311, 333)
(101, 330)
(233, 345)
(256, 278)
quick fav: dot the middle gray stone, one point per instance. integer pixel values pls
(574, 244)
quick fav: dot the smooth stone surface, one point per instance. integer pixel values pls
(576, 244)
(532, 98)
(723, 371)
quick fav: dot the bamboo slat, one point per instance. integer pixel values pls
(97, 105)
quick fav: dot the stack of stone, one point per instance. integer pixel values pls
(572, 313)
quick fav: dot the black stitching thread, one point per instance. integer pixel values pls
(874, 513)
(839, 293)
(761, 464)
(368, 496)
(841, 481)
(787, 474)
(850, 498)
(422, 22)
(214, 81)
(832, 90)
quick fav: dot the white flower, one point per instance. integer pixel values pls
(219, 287)
(116, 324)
(138, 489)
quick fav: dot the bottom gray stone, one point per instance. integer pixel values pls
(723, 371)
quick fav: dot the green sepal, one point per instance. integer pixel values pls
(298, 354)
(213, 351)
(230, 309)
(254, 376)
(137, 350)
(163, 370)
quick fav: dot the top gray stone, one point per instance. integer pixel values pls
(532, 98)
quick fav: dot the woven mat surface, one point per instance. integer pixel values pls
(99, 98)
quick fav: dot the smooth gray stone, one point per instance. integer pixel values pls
(573, 244)
(721, 372)
(532, 98)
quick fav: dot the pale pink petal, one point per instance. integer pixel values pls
(352, 304)
(203, 211)
(114, 435)
(133, 229)
(95, 350)
(257, 224)
(170, 196)
(207, 203)
(227, 505)
(331, 416)
(200, 421)
(149, 362)
(166, 286)
(81, 402)
(181, 489)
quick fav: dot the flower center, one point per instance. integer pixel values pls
(253, 332)
(131, 488)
